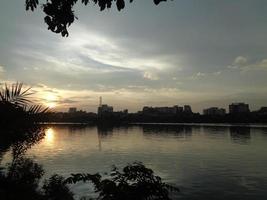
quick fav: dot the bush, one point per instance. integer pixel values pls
(135, 182)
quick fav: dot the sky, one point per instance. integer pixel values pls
(203, 53)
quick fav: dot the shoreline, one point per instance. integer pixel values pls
(252, 125)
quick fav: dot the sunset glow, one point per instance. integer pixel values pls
(50, 100)
(49, 136)
(51, 104)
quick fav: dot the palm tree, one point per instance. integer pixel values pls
(15, 96)
(16, 107)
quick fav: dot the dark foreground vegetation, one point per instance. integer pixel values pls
(19, 114)
(21, 178)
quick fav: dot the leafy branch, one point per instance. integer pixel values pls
(60, 14)
(134, 182)
(15, 96)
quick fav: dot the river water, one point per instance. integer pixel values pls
(204, 161)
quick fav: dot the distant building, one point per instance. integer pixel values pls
(104, 108)
(166, 110)
(179, 109)
(263, 110)
(214, 111)
(120, 114)
(236, 108)
(159, 110)
(72, 110)
(187, 109)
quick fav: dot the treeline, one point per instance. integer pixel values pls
(77, 117)
(110, 118)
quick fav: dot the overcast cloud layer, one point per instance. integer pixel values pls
(203, 53)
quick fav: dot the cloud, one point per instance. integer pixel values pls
(217, 73)
(151, 76)
(87, 51)
(197, 75)
(261, 65)
(238, 63)
(243, 64)
(89, 58)
(130, 97)
(2, 70)
(137, 55)
(113, 53)
(240, 60)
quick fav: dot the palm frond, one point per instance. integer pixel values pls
(37, 109)
(15, 94)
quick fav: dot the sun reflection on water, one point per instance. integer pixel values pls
(49, 136)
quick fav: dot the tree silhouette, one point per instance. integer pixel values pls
(18, 111)
(60, 14)
(134, 182)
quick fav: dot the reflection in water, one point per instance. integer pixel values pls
(161, 130)
(104, 131)
(240, 135)
(201, 160)
(19, 145)
(81, 128)
(154, 129)
(215, 129)
(49, 136)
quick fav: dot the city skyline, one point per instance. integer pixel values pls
(231, 108)
(205, 53)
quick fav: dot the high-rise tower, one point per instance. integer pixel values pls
(100, 101)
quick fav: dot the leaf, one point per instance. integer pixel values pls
(60, 14)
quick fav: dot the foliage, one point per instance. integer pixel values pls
(14, 94)
(21, 142)
(56, 189)
(16, 108)
(21, 180)
(135, 182)
(25, 172)
(60, 13)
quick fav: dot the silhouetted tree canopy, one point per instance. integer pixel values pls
(60, 14)
(18, 111)
(134, 182)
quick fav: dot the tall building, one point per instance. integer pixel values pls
(214, 111)
(179, 109)
(72, 110)
(160, 110)
(104, 108)
(262, 110)
(166, 110)
(187, 109)
(236, 108)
